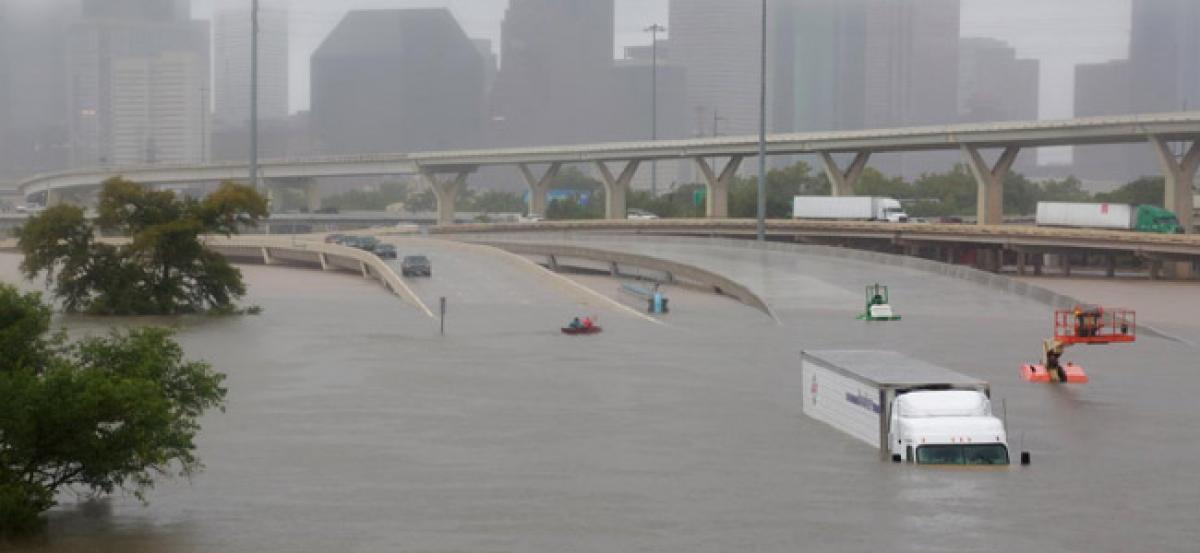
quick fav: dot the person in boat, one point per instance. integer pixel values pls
(575, 324)
(587, 323)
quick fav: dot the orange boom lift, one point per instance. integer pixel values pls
(1085, 324)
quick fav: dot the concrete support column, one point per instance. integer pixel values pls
(53, 198)
(1065, 261)
(538, 186)
(366, 271)
(717, 186)
(842, 182)
(1021, 260)
(990, 181)
(266, 256)
(615, 188)
(1179, 174)
(447, 192)
(1111, 266)
(312, 195)
(324, 261)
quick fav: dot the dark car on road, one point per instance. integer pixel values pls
(416, 265)
(385, 251)
(335, 238)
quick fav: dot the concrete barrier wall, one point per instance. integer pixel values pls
(705, 279)
(317, 255)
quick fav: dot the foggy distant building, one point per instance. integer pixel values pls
(818, 54)
(138, 74)
(491, 64)
(397, 81)
(717, 42)
(1107, 89)
(1164, 55)
(993, 85)
(33, 118)
(231, 64)
(911, 63)
(630, 119)
(555, 56)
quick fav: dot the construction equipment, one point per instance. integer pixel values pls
(878, 308)
(1085, 324)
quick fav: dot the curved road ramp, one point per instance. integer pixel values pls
(317, 255)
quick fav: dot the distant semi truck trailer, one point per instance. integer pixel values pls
(912, 411)
(863, 208)
(1137, 218)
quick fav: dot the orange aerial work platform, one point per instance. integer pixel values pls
(1088, 325)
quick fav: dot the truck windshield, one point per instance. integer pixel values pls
(951, 454)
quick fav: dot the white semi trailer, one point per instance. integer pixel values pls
(864, 208)
(911, 410)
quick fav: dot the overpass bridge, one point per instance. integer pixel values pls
(446, 173)
(992, 248)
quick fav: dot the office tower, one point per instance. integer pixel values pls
(993, 84)
(231, 65)
(555, 56)
(397, 81)
(138, 74)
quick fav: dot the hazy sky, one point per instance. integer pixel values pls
(1061, 33)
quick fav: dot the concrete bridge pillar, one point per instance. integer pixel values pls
(312, 195)
(990, 181)
(1179, 174)
(53, 198)
(447, 192)
(538, 186)
(841, 183)
(615, 188)
(717, 186)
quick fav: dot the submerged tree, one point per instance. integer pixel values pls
(163, 269)
(97, 416)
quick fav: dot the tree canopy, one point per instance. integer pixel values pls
(99, 415)
(163, 269)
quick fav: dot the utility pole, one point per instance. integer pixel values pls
(654, 30)
(203, 124)
(762, 132)
(254, 94)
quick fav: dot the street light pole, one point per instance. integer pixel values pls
(762, 132)
(654, 30)
(254, 94)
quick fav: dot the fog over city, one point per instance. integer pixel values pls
(559, 75)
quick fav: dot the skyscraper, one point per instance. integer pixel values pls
(34, 85)
(1163, 52)
(993, 84)
(397, 81)
(554, 61)
(911, 62)
(717, 44)
(231, 64)
(138, 70)
(1106, 89)
(818, 52)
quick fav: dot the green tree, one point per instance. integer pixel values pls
(101, 415)
(164, 268)
(950, 193)
(1069, 189)
(1146, 190)
(495, 201)
(783, 185)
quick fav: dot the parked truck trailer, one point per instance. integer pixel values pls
(1139, 218)
(911, 410)
(864, 208)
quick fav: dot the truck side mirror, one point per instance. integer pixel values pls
(1024, 458)
(896, 458)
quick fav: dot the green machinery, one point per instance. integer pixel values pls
(878, 308)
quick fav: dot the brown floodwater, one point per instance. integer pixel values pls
(352, 426)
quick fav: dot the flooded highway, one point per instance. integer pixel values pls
(353, 426)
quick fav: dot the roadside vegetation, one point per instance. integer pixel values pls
(162, 269)
(97, 416)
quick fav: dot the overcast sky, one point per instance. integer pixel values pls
(1061, 33)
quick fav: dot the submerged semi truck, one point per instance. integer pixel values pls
(913, 411)
(863, 208)
(1138, 218)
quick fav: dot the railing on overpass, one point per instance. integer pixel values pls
(1157, 130)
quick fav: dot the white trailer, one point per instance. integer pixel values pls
(1088, 215)
(911, 410)
(865, 208)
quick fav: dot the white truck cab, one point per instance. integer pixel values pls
(947, 427)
